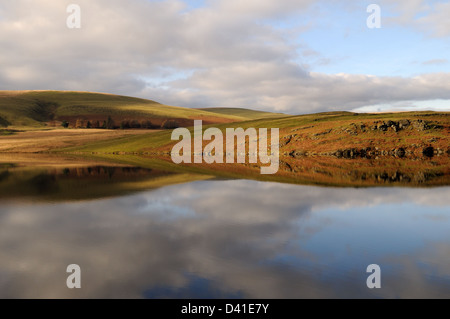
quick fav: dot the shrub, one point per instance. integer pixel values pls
(146, 124)
(109, 123)
(125, 124)
(4, 122)
(135, 124)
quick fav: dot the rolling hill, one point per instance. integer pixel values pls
(321, 134)
(51, 108)
(333, 148)
(330, 148)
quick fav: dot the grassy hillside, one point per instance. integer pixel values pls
(334, 149)
(319, 134)
(35, 108)
(244, 113)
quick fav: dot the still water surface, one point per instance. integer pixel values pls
(230, 239)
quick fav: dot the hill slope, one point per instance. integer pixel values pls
(34, 108)
(336, 148)
(321, 134)
(244, 113)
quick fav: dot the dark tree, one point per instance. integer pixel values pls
(169, 124)
(146, 124)
(135, 124)
(125, 124)
(109, 123)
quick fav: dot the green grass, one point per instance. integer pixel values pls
(134, 143)
(7, 132)
(148, 142)
(31, 108)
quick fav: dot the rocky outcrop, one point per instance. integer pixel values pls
(419, 125)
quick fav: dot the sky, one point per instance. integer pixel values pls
(291, 56)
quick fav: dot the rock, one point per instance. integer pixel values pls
(364, 152)
(428, 151)
(350, 153)
(400, 152)
(323, 133)
(296, 154)
(403, 124)
(420, 125)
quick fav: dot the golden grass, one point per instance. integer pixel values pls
(47, 140)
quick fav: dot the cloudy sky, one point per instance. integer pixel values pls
(293, 56)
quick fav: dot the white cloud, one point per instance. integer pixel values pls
(437, 21)
(430, 17)
(225, 54)
(263, 8)
(435, 61)
(286, 87)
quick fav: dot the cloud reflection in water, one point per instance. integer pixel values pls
(231, 239)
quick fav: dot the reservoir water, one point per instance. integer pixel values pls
(225, 239)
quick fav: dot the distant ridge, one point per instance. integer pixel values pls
(242, 112)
